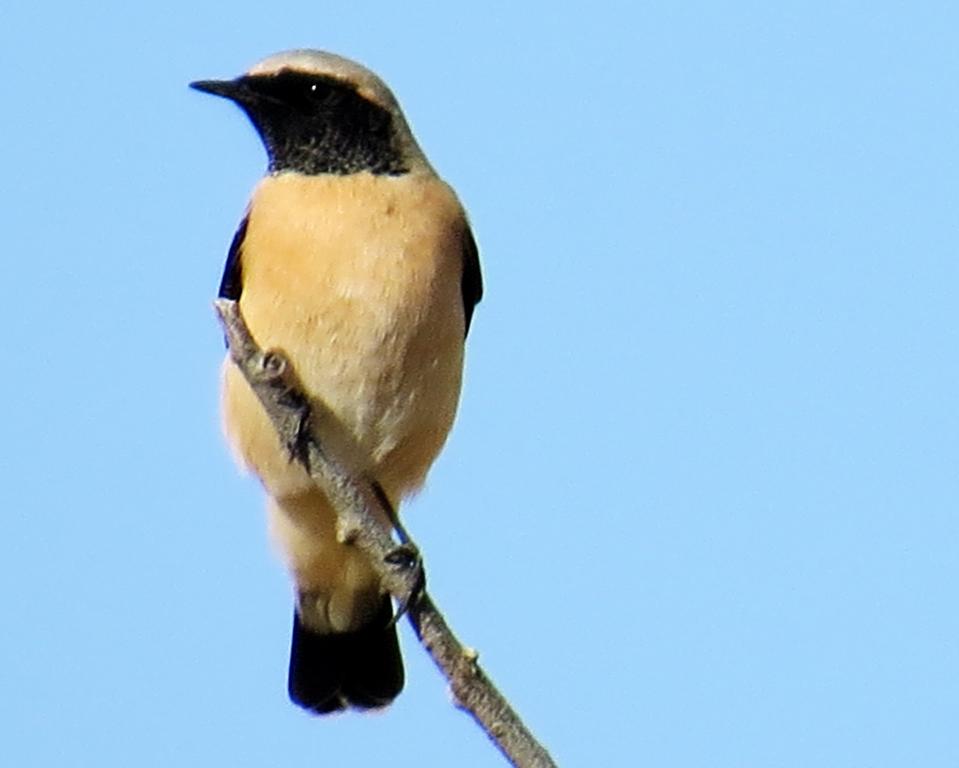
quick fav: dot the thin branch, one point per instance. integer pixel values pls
(358, 506)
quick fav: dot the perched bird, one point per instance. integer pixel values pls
(357, 261)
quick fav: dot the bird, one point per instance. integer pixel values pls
(357, 261)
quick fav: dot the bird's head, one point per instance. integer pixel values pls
(321, 113)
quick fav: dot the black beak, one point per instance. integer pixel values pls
(234, 90)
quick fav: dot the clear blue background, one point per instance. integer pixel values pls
(699, 508)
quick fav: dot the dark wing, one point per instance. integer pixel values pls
(472, 277)
(231, 285)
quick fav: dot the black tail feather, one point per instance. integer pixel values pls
(362, 669)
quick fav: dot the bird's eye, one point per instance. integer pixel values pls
(313, 88)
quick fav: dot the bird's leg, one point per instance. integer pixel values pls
(387, 506)
(406, 557)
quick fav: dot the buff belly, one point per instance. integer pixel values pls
(361, 291)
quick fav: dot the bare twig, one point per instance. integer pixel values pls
(359, 504)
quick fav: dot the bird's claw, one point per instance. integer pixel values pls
(297, 446)
(406, 558)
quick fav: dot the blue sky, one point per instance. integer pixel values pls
(699, 507)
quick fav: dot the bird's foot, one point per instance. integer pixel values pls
(298, 444)
(407, 560)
